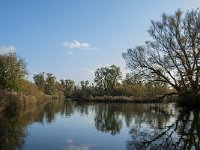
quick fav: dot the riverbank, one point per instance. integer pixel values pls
(19, 99)
(167, 98)
(128, 99)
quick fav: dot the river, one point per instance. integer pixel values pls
(70, 125)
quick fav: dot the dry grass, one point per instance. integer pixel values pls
(31, 90)
(120, 99)
(30, 95)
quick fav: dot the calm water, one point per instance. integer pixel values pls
(66, 125)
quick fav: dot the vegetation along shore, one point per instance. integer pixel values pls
(166, 66)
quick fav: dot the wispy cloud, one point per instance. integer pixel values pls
(76, 45)
(71, 145)
(89, 70)
(70, 52)
(102, 65)
(7, 49)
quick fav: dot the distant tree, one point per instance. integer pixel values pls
(39, 80)
(12, 72)
(132, 85)
(68, 87)
(174, 53)
(155, 87)
(132, 79)
(50, 85)
(84, 84)
(106, 78)
(84, 90)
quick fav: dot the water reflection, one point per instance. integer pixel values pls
(182, 133)
(151, 126)
(107, 119)
(12, 132)
(14, 120)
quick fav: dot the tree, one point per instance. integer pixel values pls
(132, 79)
(12, 72)
(133, 85)
(173, 54)
(106, 78)
(68, 87)
(50, 85)
(84, 90)
(39, 80)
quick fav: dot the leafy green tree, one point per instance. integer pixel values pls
(106, 78)
(50, 85)
(84, 90)
(68, 87)
(173, 54)
(12, 72)
(39, 80)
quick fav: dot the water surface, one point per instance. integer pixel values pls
(68, 125)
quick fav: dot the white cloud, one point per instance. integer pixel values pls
(7, 49)
(92, 70)
(76, 45)
(70, 52)
(103, 65)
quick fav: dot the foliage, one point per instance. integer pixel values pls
(50, 87)
(47, 83)
(30, 89)
(68, 87)
(12, 72)
(85, 90)
(39, 80)
(106, 78)
(173, 55)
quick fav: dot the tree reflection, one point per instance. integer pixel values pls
(153, 126)
(107, 119)
(68, 108)
(14, 120)
(12, 132)
(109, 116)
(183, 133)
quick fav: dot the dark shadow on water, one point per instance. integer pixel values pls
(15, 119)
(12, 132)
(181, 133)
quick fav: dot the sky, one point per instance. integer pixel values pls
(72, 38)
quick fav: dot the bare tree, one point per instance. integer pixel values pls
(173, 54)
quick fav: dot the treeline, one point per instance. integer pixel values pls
(108, 83)
(170, 59)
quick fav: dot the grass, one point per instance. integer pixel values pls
(29, 95)
(106, 98)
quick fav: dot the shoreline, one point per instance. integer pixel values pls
(122, 99)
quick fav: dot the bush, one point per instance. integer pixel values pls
(12, 72)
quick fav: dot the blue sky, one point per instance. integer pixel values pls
(72, 38)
